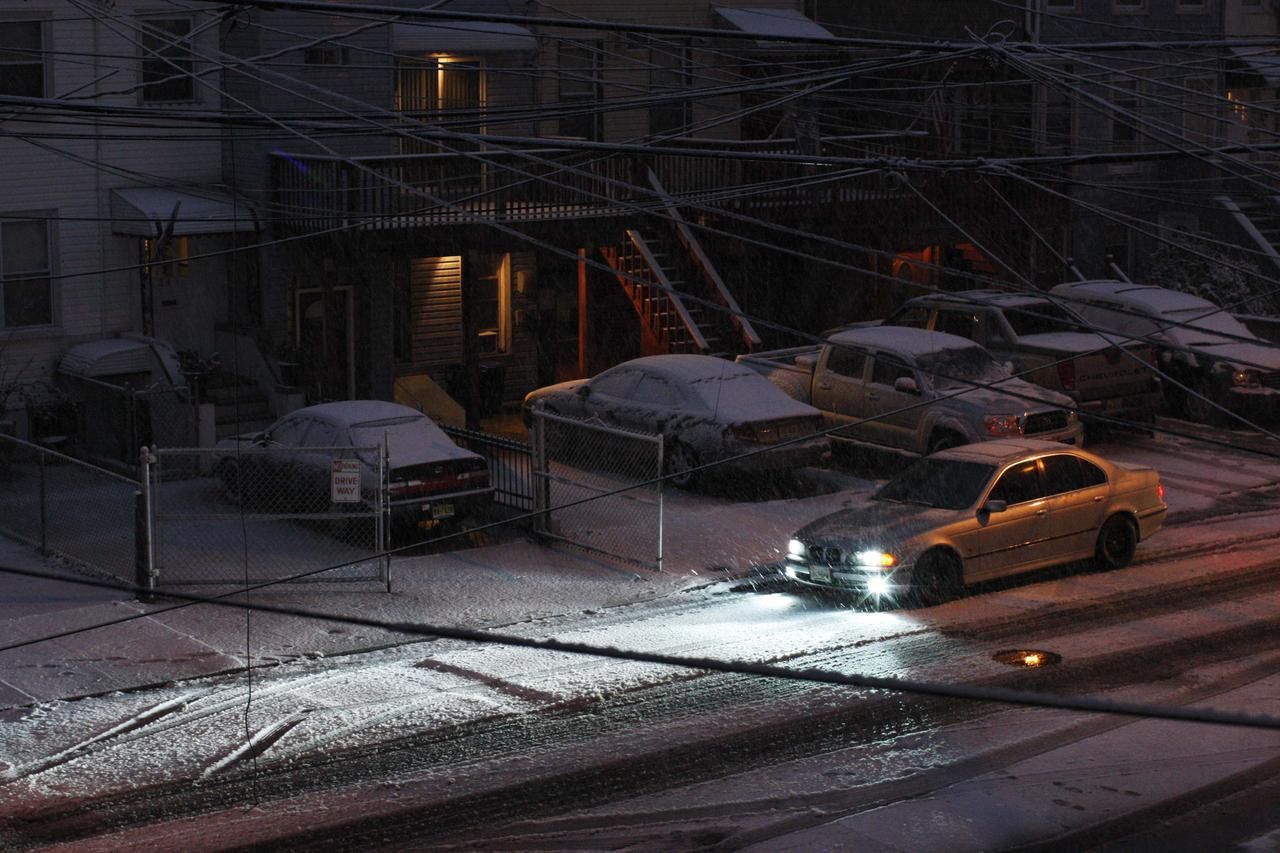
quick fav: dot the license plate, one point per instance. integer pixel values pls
(820, 573)
(442, 510)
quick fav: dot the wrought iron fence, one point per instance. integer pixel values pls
(255, 515)
(589, 487)
(510, 464)
(63, 505)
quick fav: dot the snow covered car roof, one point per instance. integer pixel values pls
(987, 296)
(903, 339)
(728, 389)
(349, 413)
(1156, 300)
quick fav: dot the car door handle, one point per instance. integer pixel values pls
(872, 395)
(824, 386)
(1098, 499)
(1042, 512)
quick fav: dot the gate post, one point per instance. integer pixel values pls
(143, 531)
(540, 471)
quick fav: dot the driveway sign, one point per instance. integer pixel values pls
(344, 481)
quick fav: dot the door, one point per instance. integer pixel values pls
(326, 347)
(838, 387)
(1077, 491)
(1016, 539)
(897, 414)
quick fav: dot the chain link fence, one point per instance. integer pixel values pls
(116, 420)
(66, 506)
(580, 468)
(255, 515)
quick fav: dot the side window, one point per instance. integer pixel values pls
(1062, 473)
(913, 316)
(1019, 484)
(846, 362)
(886, 369)
(289, 432)
(321, 434)
(656, 391)
(618, 384)
(1092, 474)
(962, 323)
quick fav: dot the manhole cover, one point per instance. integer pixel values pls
(1027, 658)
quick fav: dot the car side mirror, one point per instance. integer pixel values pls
(995, 505)
(906, 384)
(262, 438)
(584, 391)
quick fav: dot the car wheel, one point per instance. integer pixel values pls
(1198, 405)
(1117, 540)
(935, 579)
(944, 441)
(231, 482)
(680, 460)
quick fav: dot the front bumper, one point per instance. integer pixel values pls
(868, 582)
(1258, 404)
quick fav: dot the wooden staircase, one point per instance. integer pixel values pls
(1260, 221)
(679, 296)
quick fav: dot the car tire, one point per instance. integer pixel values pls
(1117, 541)
(935, 579)
(1198, 406)
(679, 460)
(944, 441)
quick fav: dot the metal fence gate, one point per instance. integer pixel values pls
(255, 515)
(598, 487)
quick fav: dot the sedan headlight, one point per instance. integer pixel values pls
(1001, 424)
(795, 548)
(1246, 379)
(875, 559)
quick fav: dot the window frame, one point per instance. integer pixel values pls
(49, 272)
(43, 48)
(158, 64)
(585, 89)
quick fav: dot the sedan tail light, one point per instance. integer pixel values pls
(423, 480)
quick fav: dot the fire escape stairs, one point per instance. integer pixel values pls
(679, 296)
(1260, 221)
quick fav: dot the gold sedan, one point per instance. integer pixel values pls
(979, 512)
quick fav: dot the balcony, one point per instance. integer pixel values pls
(316, 192)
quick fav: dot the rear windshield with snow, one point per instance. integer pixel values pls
(409, 429)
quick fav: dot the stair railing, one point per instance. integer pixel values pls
(653, 288)
(1242, 219)
(710, 276)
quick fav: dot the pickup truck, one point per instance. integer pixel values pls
(1047, 344)
(915, 391)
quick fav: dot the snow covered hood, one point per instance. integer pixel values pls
(876, 524)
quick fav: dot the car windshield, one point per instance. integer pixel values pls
(1198, 319)
(960, 368)
(942, 483)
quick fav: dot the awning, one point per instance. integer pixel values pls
(146, 212)
(774, 22)
(461, 37)
(1259, 62)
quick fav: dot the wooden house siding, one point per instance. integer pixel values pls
(436, 302)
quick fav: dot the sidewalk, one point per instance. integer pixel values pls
(496, 586)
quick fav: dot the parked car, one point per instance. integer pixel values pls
(1048, 345)
(1200, 345)
(915, 391)
(707, 409)
(289, 465)
(980, 512)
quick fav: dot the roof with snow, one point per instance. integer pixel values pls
(901, 339)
